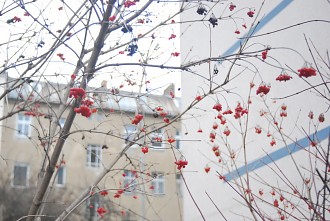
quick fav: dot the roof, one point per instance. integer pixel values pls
(111, 99)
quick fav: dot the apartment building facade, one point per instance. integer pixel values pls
(142, 185)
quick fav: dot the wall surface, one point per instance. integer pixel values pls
(244, 149)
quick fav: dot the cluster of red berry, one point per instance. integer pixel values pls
(181, 164)
(307, 72)
(263, 89)
(136, 120)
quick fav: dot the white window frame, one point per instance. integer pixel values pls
(23, 121)
(95, 199)
(129, 133)
(90, 155)
(130, 182)
(155, 134)
(178, 181)
(27, 175)
(177, 139)
(63, 175)
(158, 183)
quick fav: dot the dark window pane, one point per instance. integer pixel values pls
(60, 176)
(93, 156)
(20, 175)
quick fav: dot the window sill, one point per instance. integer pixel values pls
(158, 194)
(158, 148)
(22, 136)
(19, 187)
(93, 168)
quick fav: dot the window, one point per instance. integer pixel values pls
(36, 88)
(61, 121)
(60, 177)
(94, 155)
(129, 133)
(92, 204)
(99, 116)
(177, 139)
(130, 181)
(157, 139)
(20, 178)
(158, 183)
(178, 184)
(23, 125)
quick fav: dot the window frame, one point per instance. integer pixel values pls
(177, 139)
(61, 121)
(27, 166)
(25, 123)
(63, 168)
(155, 134)
(178, 186)
(99, 116)
(129, 134)
(158, 178)
(89, 155)
(130, 182)
(96, 204)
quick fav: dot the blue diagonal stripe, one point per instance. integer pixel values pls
(273, 13)
(279, 154)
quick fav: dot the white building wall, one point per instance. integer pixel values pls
(3, 80)
(199, 40)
